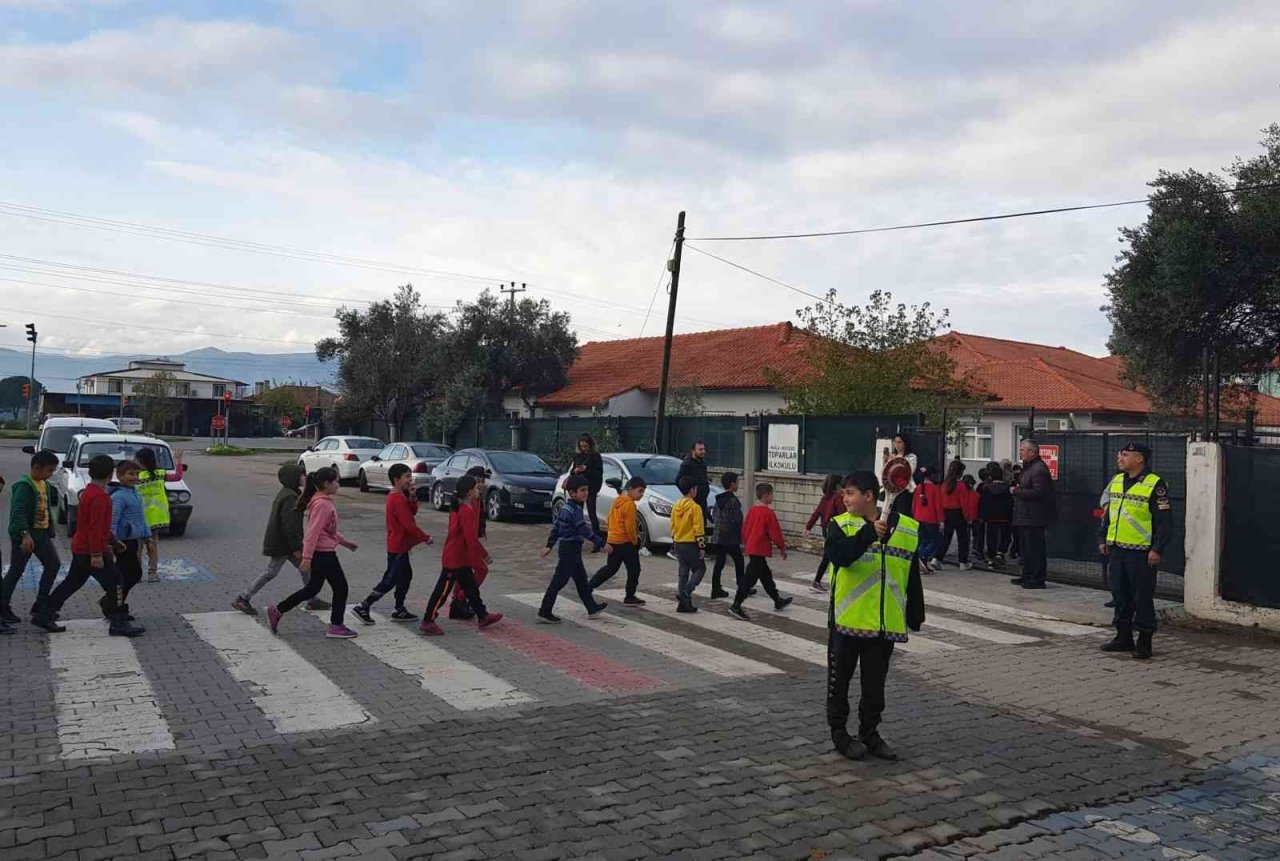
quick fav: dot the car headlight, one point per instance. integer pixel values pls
(659, 506)
(179, 496)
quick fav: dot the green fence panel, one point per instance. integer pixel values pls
(722, 436)
(841, 444)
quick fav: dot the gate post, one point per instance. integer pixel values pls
(1205, 513)
(750, 451)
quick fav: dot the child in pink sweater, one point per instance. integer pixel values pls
(320, 542)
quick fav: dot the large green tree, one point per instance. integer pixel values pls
(525, 347)
(155, 400)
(1202, 272)
(11, 399)
(879, 358)
(389, 358)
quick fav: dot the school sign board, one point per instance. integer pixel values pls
(783, 448)
(1049, 454)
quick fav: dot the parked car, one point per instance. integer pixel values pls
(653, 511)
(343, 453)
(420, 457)
(519, 482)
(73, 474)
(55, 435)
(127, 424)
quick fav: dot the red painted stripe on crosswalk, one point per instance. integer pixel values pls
(589, 667)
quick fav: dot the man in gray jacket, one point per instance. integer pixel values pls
(1034, 510)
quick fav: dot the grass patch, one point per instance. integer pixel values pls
(19, 434)
(229, 450)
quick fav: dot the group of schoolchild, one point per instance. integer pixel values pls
(976, 513)
(117, 521)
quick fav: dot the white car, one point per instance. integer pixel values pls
(343, 453)
(420, 457)
(56, 434)
(73, 474)
(653, 512)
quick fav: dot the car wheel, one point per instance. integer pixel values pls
(642, 530)
(364, 482)
(437, 496)
(493, 505)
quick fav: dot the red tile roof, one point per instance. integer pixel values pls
(723, 359)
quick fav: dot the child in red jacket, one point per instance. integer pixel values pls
(955, 494)
(926, 509)
(403, 534)
(761, 532)
(92, 555)
(463, 552)
(828, 507)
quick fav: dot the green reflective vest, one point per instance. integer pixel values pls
(1129, 512)
(155, 497)
(869, 597)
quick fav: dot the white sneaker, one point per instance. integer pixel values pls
(965, 566)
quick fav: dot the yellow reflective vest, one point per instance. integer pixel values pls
(869, 597)
(155, 497)
(1129, 521)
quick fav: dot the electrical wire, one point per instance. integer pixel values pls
(975, 219)
(755, 273)
(662, 276)
(167, 329)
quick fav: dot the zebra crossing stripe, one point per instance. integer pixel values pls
(758, 635)
(288, 689)
(1004, 613)
(665, 643)
(105, 702)
(462, 685)
(916, 645)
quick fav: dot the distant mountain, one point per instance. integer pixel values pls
(59, 372)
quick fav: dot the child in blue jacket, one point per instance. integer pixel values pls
(570, 529)
(128, 529)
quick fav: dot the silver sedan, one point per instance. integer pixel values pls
(420, 457)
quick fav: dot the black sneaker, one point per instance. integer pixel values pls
(459, 610)
(361, 612)
(736, 610)
(47, 624)
(7, 615)
(125, 628)
(548, 619)
(599, 608)
(849, 747)
(878, 747)
(686, 607)
(783, 603)
(718, 593)
(633, 601)
(403, 615)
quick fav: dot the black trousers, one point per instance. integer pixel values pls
(822, 568)
(724, 553)
(325, 568)
(997, 539)
(1133, 586)
(77, 575)
(129, 564)
(953, 524)
(1035, 555)
(757, 572)
(568, 567)
(591, 510)
(977, 539)
(398, 576)
(843, 656)
(450, 577)
(623, 554)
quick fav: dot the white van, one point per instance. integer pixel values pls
(56, 434)
(127, 424)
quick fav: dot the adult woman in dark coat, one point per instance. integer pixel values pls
(587, 463)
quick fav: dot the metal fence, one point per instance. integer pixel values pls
(1251, 542)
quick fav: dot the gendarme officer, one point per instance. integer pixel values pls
(1137, 525)
(876, 595)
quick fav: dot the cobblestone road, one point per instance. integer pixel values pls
(636, 735)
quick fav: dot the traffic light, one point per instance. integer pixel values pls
(124, 401)
(306, 411)
(31, 332)
(26, 391)
(226, 397)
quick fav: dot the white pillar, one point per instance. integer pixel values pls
(750, 451)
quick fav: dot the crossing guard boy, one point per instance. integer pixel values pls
(1137, 525)
(876, 595)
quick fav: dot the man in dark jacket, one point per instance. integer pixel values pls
(727, 534)
(1034, 510)
(695, 467)
(282, 540)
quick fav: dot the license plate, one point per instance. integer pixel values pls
(546, 505)
(518, 504)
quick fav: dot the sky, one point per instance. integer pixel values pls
(187, 174)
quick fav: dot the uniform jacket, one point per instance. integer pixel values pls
(843, 550)
(1161, 514)
(403, 532)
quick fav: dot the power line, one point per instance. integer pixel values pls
(755, 273)
(662, 276)
(167, 329)
(975, 219)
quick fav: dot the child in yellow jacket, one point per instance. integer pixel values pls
(688, 537)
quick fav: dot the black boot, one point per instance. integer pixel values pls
(847, 746)
(685, 607)
(7, 615)
(717, 591)
(122, 627)
(877, 746)
(1123, 641)
(1143, 650)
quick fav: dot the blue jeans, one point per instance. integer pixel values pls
(48, 556)
(398, 576)
(569, 567)
(930, 537)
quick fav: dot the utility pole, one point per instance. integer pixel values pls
(674, 265)
(31, 392)
(512, 291)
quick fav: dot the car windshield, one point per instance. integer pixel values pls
(124, 451)
(519, 463)
(59, 438)
(433, 451)
(365, 442)
(659, 469)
